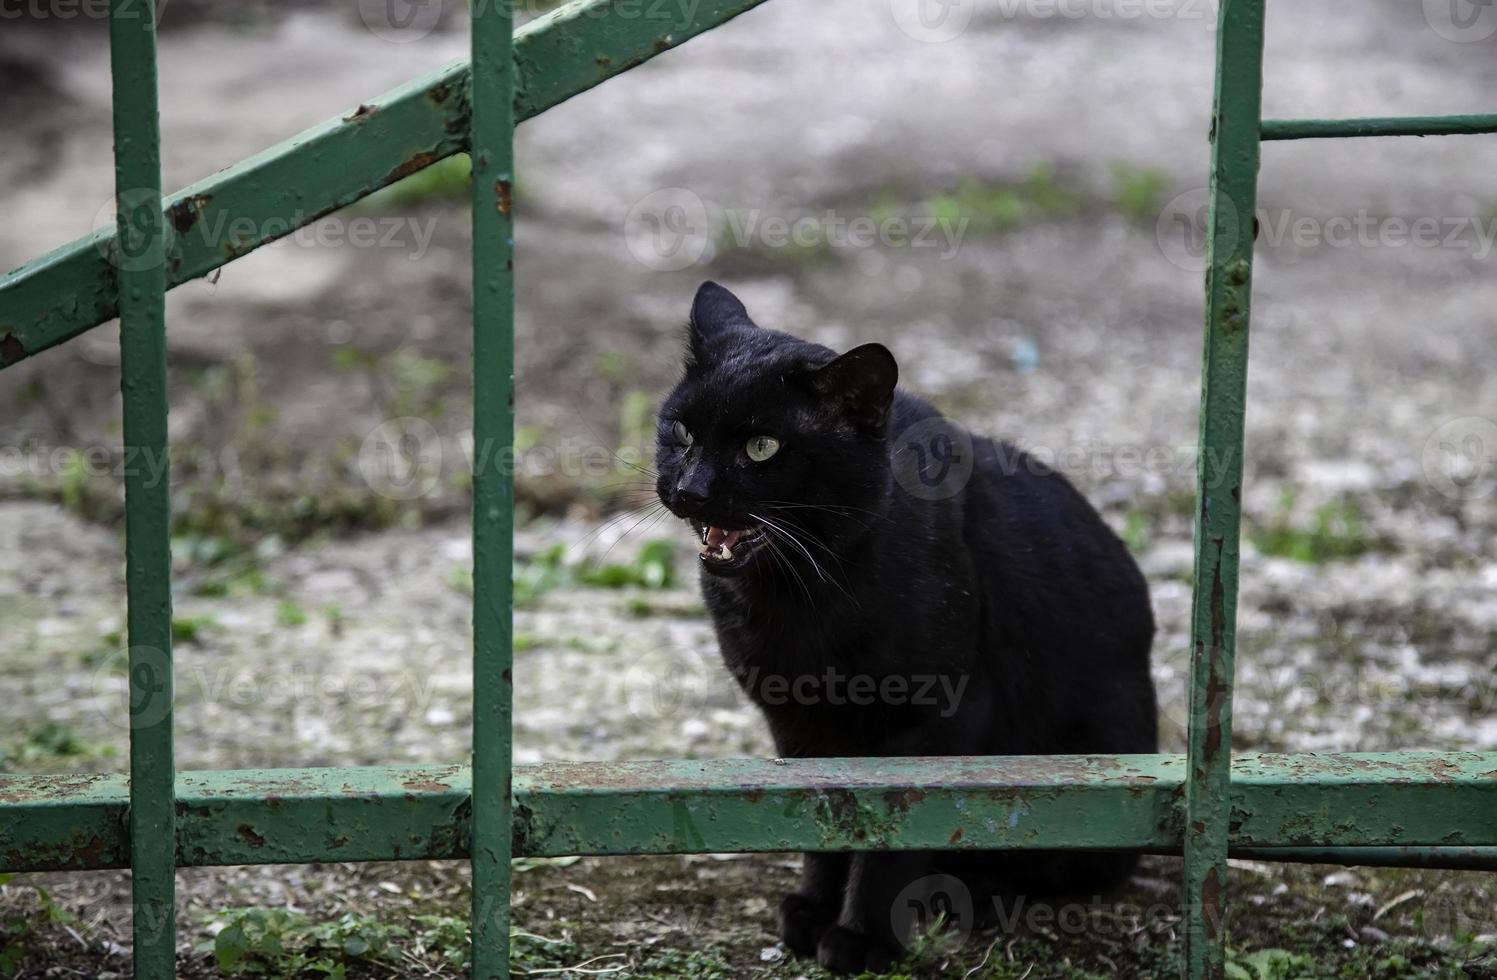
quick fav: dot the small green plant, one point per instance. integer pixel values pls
(1135, 533)
(19, 932)
(282, 943)
(1335, 532)
(653, 568)
(290, 614)
(1268, 964)
(445, 180)
(1137, 191)
(190, 629)
(47, 743)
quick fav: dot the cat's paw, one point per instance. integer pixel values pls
(802, 922)
(842, 950)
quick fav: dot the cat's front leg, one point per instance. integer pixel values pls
(809, 911)
(867, 935)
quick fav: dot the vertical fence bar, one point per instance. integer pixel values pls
(493, 123)
(140, 265)
(1235, 125)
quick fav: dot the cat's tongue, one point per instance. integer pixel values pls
(717, 537)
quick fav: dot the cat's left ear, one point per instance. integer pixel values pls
(715, 311)
(863, 380)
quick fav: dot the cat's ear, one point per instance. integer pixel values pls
(714, 311)
(863, 380)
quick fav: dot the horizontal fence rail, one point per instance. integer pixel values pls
(1415, 809)
(270, 195)
(1304, 129)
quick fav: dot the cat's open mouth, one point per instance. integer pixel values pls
(722, 548)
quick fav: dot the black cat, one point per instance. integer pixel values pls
(854, 540)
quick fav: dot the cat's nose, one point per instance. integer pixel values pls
(692, 489)
(689, 496)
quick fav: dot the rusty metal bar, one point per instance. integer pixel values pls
(1236, 118)
(493, 130)
(1432, 809)
(140, 290)
(267, 196)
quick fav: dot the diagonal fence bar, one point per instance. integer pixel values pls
(139, 255)
(493, 127)
(1235, 123)
(268, 196)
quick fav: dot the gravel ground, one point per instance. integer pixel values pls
(323, 609)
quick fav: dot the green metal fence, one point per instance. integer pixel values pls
(1437, 810)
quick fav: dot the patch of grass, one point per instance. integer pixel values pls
(49, 743)
(289, 614)
(280, 942)
(1137, 191)
(702, 964)
(1136, 529)
(19, 933)
(283, 943)
(190, 629)
(445, 180)
(1335, 533)
(653, 568)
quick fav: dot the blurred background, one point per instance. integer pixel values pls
(1007, 193)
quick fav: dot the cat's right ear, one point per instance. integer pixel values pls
(714, 312)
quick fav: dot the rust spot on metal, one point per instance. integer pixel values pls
(1218, 601)
(956, 835)
(604, 63)
(426, 786)
(11, 350)
(900, 800)
(663, 43)
(508, 676)
(1211, 896)
(362, 112)
(440, 93)
(415, 163)
(504, 191)
(185, 212)
(250, 837)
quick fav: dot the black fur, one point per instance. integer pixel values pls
(1005, 591)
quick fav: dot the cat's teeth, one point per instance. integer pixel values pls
(727, 554)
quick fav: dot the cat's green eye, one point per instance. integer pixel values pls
(760, 448)
(683, 434)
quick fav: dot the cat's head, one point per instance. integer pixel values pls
(771, 447)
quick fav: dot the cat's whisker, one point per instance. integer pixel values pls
(789, 566)
(774, 528)
(642, 513)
